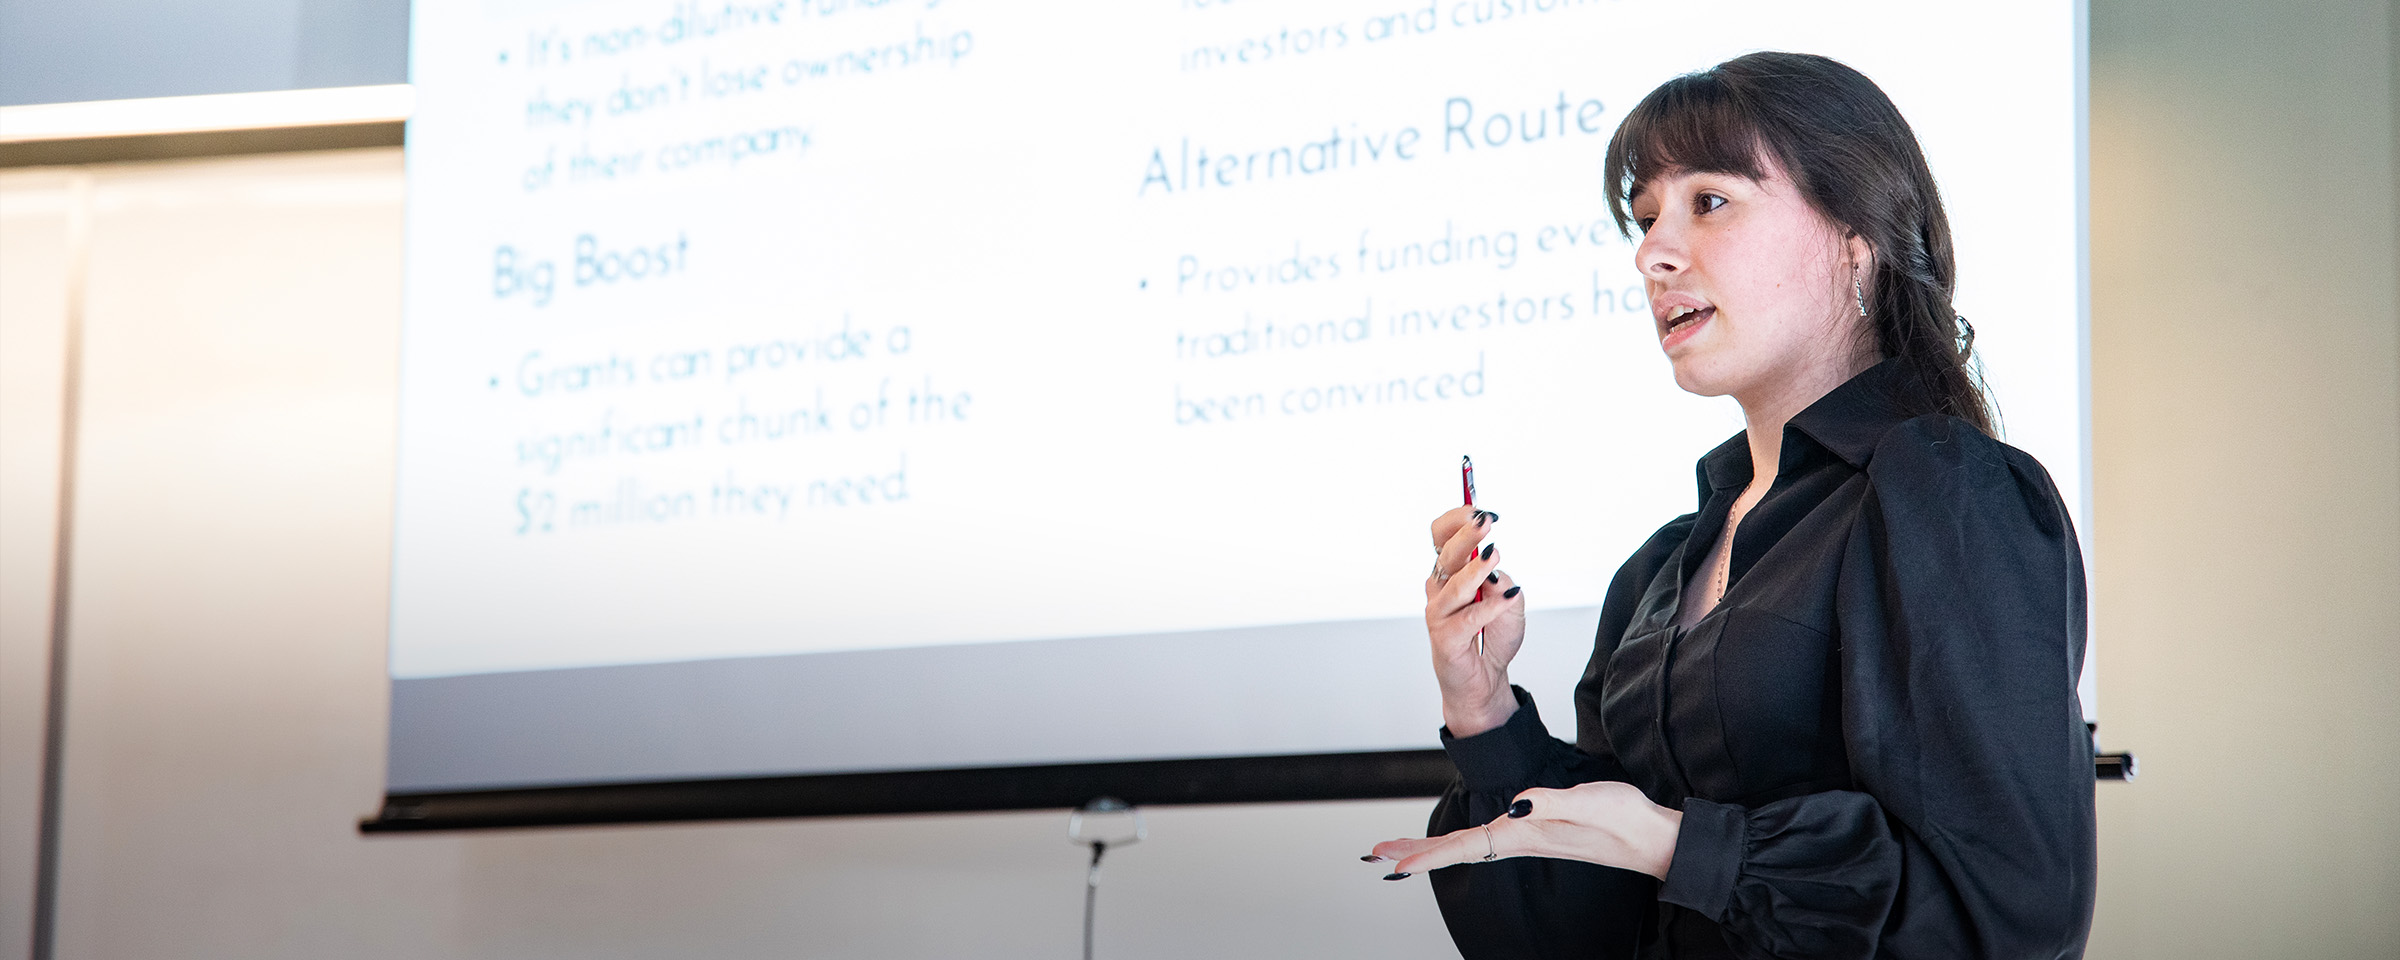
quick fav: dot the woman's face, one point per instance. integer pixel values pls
(1749, 286)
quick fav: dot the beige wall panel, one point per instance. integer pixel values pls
(2246, 374)
(33, 313)
(230, 569)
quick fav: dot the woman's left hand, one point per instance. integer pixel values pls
(1603, 822)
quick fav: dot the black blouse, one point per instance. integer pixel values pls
(1874, 737)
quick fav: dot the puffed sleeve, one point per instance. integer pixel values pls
(1532, 907)
(1960, 605)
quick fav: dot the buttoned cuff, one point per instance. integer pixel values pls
(1708, 856)
(1506, 759)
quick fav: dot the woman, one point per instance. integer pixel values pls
(1833, 713)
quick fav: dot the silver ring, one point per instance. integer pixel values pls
(1491, 852)
(1438, 575)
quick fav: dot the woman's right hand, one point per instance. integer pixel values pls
(1473, 676)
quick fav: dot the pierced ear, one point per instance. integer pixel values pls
(1862, 255)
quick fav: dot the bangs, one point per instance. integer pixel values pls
(1694, 123)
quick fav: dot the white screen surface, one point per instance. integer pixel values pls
(778, 329)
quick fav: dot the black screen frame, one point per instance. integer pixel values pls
(1376, 775)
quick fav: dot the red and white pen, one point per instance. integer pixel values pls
(1466, 482)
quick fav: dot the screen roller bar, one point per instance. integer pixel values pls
(1335, 776)
(1383, 775)
(2108, 766)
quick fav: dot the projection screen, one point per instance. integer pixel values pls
(804, 387)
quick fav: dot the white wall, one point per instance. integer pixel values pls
(227, 695)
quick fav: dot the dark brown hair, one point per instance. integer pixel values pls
(1847, 149)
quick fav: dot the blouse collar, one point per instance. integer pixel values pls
(1847, 422)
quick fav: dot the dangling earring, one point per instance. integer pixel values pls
(1858, 290)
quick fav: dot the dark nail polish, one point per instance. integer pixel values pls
(1491, 578)
(1520, 809)
(1511, 593)
(1487, 550)
(1490, 516)
(1480, 517)
(1395, 876)
(1371, 858)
